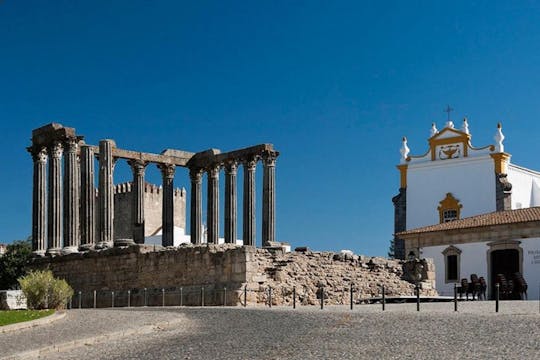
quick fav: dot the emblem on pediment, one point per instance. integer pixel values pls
(452, 151)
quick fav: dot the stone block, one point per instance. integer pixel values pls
(12, 300)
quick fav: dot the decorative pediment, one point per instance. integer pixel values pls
(450, 133)
(448, 144)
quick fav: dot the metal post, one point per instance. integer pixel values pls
(129, 298)
(383, 298)
(112, 298)
(455, 297)
(80, 299)
(294, 297)
(202, 296)
(95, 299)
(352, 296)
(270, 296)
(245, 296)
(225, 296)
(162, 297)
(71, 302)
(417, 297)
(181, 298)
(322, 297)
(145, 297)
(497, 297)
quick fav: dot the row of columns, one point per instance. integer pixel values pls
(70, 214)
(249, 209)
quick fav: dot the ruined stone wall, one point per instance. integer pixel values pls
(335, 272)
(153, 200)
(233, 267)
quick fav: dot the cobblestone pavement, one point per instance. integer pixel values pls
(436, 332)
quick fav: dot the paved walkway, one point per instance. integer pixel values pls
(436, 332)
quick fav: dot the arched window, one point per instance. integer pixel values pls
(449, 209)
(452, 259)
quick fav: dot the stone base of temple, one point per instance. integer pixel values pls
(69, 250)
(123, 242)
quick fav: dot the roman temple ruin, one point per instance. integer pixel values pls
(64, 216)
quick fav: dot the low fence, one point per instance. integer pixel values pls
(212, 296)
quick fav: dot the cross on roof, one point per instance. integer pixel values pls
(448, 110)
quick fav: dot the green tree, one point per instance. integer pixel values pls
(13, 263)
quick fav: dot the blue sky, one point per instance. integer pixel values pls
(333, 85)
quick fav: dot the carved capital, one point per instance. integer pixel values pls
(231, 167)
(250, 163)
(56, 150)
(213, 171)
(40, 155)
(195, 174)
(71, 145)
(167, 170)
(138, 167)
(269, 158)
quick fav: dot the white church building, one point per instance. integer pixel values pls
(469, 209)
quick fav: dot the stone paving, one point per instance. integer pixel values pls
(436, 332)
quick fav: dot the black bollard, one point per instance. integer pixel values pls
(352, 296)
(129, 298)
(224, 296)
(455, 297)
(95, 299)
(383, 298)
(112, 299)
(245, 296)
(145, 297)
(294, 297)
(80, 299)
(322, 297)
(417, 297)
(497, 297)
(162, 297)
(269, 296)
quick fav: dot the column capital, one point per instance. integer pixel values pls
(39, 155)
(213, 171)
(269, 158)
(138, 167)
(71, 145)
(231, 167)
(250, 163)
(195, 174)
(167, 170)
(56, 150)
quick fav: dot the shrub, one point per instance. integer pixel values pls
(13, 263)
(44, 291)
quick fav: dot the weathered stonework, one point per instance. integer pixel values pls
(503, 192)
(400, 221)
(234, 267)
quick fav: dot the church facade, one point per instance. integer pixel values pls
(469, 209)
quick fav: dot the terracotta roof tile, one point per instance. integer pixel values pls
(490, 219)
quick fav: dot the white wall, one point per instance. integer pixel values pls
(474, 258)
(470, 180)
(521, 180)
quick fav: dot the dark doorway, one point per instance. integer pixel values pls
(504, 262)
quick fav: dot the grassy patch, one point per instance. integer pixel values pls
(14, 316)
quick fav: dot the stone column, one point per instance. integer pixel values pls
(196, 206)
(106, 194)
(213, 204)
(138, 168)
(88, 198)
(72, 237)
(249, 232)
(54, 224)
(230, 202)
(269, 199)
(39, 202)
(167, 229)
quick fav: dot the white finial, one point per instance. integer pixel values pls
(499, 137)
(465, 127)
(433, 130)
(404, 150)
(449, 124)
